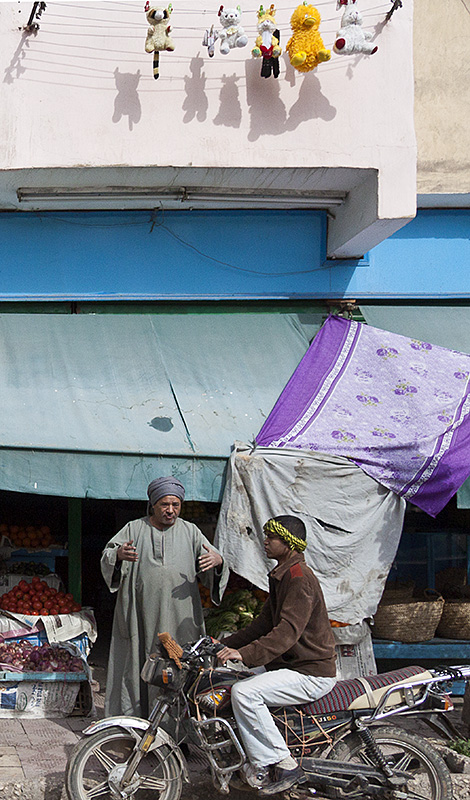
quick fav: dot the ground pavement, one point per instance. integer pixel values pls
(34, 752)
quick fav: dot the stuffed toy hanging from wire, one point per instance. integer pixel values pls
(158, 33)
(267, 42)
(351, 39)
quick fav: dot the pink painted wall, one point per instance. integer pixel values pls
(81, 92)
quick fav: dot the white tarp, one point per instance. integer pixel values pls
(353, 523)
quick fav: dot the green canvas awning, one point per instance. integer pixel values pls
(99, 405)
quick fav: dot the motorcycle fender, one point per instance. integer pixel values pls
(133, 725)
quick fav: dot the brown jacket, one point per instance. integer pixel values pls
(292, 630)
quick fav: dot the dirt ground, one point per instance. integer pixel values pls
(460, 778)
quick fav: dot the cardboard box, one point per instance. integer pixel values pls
(78, 628)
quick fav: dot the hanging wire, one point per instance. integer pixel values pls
(154, 223)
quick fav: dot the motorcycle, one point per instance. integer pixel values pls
(343, 742)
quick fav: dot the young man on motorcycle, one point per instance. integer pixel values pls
(292, 639)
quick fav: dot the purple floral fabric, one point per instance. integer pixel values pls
(397, 406)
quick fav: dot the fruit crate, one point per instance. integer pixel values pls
(46, 557)
(38, 638)
(39, 694)
(84, 703)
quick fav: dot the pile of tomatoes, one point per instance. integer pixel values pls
(38, 599)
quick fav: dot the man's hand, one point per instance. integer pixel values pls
(209, 559)
(127, 552)
(229, 654)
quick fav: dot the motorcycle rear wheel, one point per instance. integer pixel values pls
(429, 776)
(95, 756)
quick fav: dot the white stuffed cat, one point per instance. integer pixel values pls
(232, 34)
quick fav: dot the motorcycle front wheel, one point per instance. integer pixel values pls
(429, 777)
(100, 758)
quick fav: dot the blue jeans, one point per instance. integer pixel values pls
(264, 743)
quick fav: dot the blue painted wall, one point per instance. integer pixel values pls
(223, 254)
(179, 254)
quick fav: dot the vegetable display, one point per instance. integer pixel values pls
(24, 657)
(31, 536)
(236, 611)
(38, 599)
(27, 568)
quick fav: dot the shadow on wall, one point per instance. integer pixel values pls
(126, 102)
(230, 110)
(16, 68)
(195, 104)
(268, 113)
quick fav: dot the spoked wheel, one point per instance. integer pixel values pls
(429, 777)
(99, 760)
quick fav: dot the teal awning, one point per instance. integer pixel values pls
(99, 405)
(447, 326)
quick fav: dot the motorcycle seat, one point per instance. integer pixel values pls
(365, 692)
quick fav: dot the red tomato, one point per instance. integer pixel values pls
(37, 605)
(44, 612)
(23, 585)
(76, 607)
(43, 597)
(60, 596)
(48, 604)
(53, 611)
(36, 579)
(69, 597)
(35, 613)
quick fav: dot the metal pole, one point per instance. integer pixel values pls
(75, 547)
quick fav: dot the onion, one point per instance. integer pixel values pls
(22, 656)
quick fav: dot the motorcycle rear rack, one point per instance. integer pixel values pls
(218, 726)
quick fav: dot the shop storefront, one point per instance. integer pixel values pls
(138, 350)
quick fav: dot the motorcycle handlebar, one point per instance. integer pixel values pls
(206, 646)
(458, 672)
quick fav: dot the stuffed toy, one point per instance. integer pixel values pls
(209, 40)
(305, 47)
(232, 34)
(267, 42)
(158, 34)
(350, 37)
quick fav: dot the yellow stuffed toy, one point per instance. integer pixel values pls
(305, 47)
